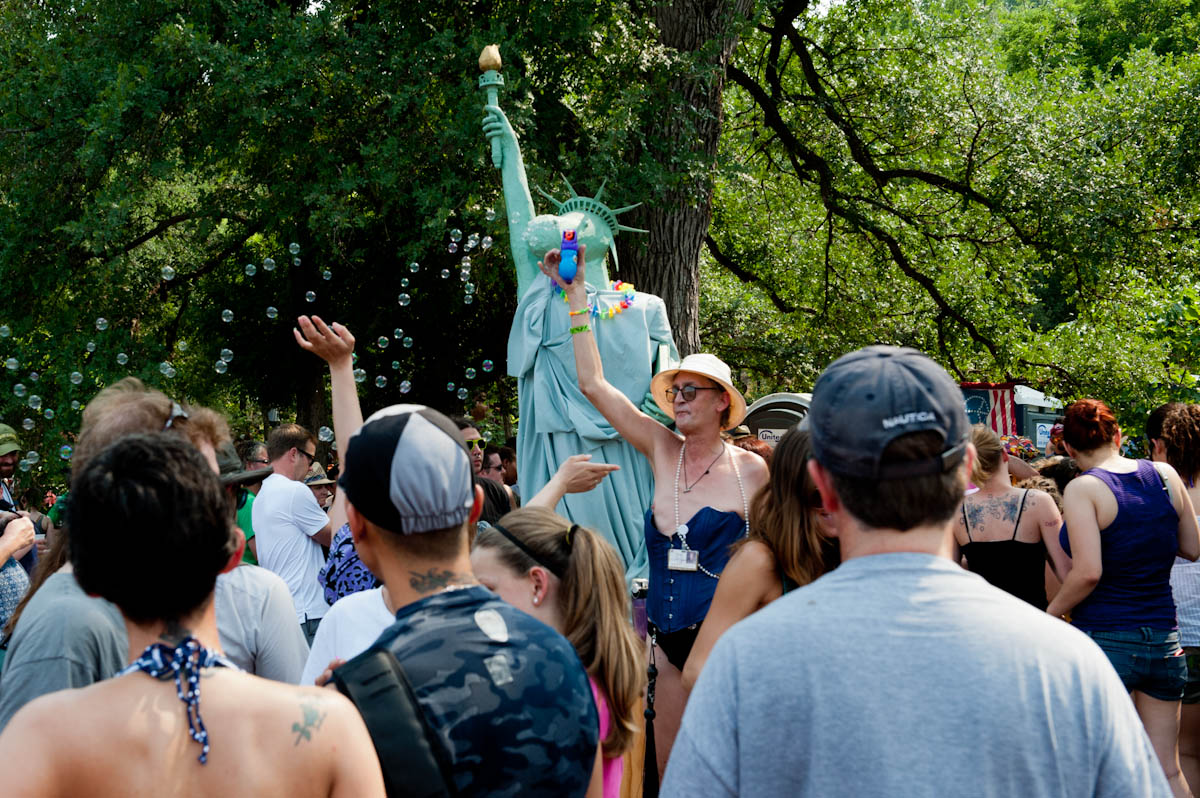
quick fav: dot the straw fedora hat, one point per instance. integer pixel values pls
(705, 365)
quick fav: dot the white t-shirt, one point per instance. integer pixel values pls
(254, 620)
(285, 516)
(349, 628)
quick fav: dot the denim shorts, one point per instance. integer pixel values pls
(1191, 693)
(1147, 660)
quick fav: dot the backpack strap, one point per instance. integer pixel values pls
(413, 759)
(1162, 474)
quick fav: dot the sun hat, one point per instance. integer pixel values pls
(865, 400)
(232, 472)
(705, 365)
(316, 476)
(407, 470)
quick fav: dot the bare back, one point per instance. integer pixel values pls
(129, 736)
(1011, 514)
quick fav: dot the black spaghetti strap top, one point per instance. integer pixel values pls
(1012, 565)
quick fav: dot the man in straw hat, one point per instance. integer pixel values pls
(702, 487)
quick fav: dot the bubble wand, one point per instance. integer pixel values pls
(491, 80)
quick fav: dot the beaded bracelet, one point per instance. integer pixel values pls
(579, 312)
(582, 328)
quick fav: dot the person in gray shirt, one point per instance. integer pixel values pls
(899, 673)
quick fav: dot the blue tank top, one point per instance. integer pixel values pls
(679, 599)
(1137, 551)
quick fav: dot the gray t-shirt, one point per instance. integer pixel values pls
(256, 621)
(902, 674)
(64, 639)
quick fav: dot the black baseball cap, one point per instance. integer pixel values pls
(865, 400)
(232, 472)
(408, 470)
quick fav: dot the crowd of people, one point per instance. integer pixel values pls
(889, 601)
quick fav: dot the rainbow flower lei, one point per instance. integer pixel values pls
(594, 310)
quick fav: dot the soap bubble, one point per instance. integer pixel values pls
(295, 261)
(19, 389)
(273, 415)
(487, 435)
(464, 275)
(414, 267)
(34, 376)
(488, 365)
(269, 264)
(76, 378)
(35, 401)
(325, 434)
(452, 248)
(470, 374)
(65, 452)
(407, 342)
(226, 315)
(397, 333)
(327, 275)
(404, 300)
(469, 299)
(251, 270)
(310, 296)
(168, 273)
(170, 375)
(32, 456)
(486, 243)
(445, 274)
(164, 367)
(396, 365)
(383, 342)
(76, 404)
(462, 393)
(27, 424)
(101, 324)
(469, 288)
(456, 235)
(24, 465)
(473, 240)
(5, 331)
(11, 364)
(360, 375)
(227, 355)
(404, 283)
(294, 248)
(381, 381)
(490, 214)
(221, 367)
(466, 261)
(405, 386)
(91, 346)
(272, 313)
(122, 358)
(48, 413)
(182, 346)
(449, 386)
(354, 357)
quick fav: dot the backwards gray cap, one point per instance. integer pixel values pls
(407, 470)
(866, 399)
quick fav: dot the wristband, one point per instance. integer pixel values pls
(582, 328)
(579, 312)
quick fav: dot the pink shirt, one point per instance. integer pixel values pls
(614, 767)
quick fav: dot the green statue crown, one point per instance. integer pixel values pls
(594, 206)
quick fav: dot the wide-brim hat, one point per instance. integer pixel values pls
(705, 365)
(316, 476)
(232, 472)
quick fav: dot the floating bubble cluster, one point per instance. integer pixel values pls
(325, 434)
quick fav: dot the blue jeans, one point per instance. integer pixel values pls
(1147, 660)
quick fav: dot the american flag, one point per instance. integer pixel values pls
(1003, 416)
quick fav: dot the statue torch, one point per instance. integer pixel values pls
(491, 79)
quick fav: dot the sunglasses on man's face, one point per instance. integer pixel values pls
(312, 458)
(475, 443)
(687, 391)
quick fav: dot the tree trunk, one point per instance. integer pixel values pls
(312, 407)
(667, 261)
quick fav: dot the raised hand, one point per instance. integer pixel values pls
(333, 344)
(496, 126)
(549, 266)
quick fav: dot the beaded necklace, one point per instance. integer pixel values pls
(593, 307)
(682, 529)
(183, 663)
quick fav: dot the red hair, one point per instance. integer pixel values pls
(1089, 424)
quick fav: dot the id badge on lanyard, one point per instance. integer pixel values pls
(683, 560)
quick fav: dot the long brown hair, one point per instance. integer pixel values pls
(1178, 426)
(594, 605)
(783, 512)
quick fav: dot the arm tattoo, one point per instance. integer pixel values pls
(312, 720)
(435, 579)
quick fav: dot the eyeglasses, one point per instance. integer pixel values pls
(688, 392)
(177, 413)
(474, 443)
(311, 458)
(260, 462)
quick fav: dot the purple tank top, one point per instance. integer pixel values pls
(1137, 551)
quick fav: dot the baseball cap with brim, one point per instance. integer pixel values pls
(232, 472)
(316, 476)
(865, 400)
(705, 365)
(407, 470)
(8, 440)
